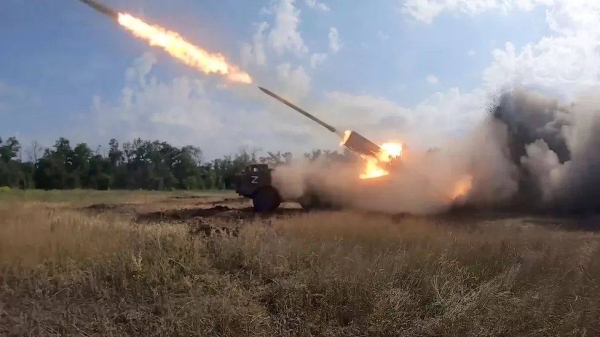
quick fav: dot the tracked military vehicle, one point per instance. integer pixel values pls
(255, 181)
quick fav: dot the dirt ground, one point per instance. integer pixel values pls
(221, 209)
(228, 209)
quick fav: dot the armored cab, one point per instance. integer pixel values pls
(255, 182)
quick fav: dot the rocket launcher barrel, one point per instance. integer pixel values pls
(352, 140)
(357, 143)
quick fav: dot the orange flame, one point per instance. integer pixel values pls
(372, 169)
(388, 152)
(462, 187)
(183, 50)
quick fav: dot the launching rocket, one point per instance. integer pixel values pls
(350, 139)
(315, 119)
(174, 44)
(102, 9)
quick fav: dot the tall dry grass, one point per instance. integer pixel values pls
(337, 274)
(83, 197)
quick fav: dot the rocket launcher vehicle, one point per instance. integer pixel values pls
(350, 139)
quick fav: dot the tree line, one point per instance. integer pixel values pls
(138, 164)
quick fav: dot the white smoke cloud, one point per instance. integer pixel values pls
(545, 166)
(531, 153)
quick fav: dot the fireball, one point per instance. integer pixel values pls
(373, 169)
(462, 187)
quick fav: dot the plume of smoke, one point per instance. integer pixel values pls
(419, 185)
(554, 147)
(530, 153)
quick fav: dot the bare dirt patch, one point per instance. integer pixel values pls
(215, 212)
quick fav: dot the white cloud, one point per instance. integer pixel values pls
(566, 62)
(362, 111)
(295, 82)
(184, 111)
(255, 52)
(432, 80)
(449, 112)
(314, 4)
(427, 10)
(150, 109)
(382, 35)
(568, 59)
(334, 40)
(285, 35)
(140, 69)
(317, 59)
(471, 52)
(426, 125)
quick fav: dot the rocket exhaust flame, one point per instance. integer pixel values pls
(373, 154)
(387, 153)
(462, 187)
(175, 45)
(181, 49)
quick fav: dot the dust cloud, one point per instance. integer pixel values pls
(529, 153)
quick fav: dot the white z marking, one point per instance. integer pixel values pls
(254, 179)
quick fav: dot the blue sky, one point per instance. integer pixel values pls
(411, 70)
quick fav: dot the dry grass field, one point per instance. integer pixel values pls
(139, 263)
